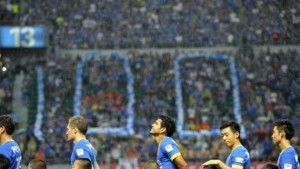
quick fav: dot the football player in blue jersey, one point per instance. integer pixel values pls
(8, 147)
(83, 149)
(283, 132)
(239, 156)
(168, 154)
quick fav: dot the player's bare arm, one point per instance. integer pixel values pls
(82, 164)
(180, 162)
(219, 163)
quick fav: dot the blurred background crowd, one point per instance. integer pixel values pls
(269, 81)
(166, 23)
(268, 93)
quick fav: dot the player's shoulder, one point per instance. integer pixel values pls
(167, 140)
(80, 143)
(85, 144)
(289, 150)
(9, 144)
(9, 148)
(83, 141)
(241, 150)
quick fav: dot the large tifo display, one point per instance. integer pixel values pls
(120, 131)
(22, 37)
(235, 92)
(128, 130)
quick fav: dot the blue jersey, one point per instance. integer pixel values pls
(11, 150)
(239, 158)
(168, 150)
(84, 149)
(288, 159)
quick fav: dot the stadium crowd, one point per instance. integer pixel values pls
(207, 95)
(267, 93)
(6, 89)
(146, 23)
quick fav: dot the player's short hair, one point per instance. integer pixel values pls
(79, 122)
(168, 123)
(7, 123)
(37, 164)
(286, 126)
(151, 164)
(234, 126)
(4, 161)
(84, 163)
(211, 166)
(270, 166)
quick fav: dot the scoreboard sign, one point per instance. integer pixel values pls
(22, 37)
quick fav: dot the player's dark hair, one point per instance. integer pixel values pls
(234, 126)
(286, 126)
(270, 166)
(168, 123)
(211, 166)
(4, 161)
(37, 164)
(79, 122)
(7, 123)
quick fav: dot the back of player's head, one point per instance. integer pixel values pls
(37, 164)
(4, 161)
(234, 126)
(270, 166)
(151, 164)
(286, 126)
(79, 122)
(211, 166)
(7, 123)
(83, 163)
(168, 123)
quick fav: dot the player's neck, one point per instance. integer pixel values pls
(284, 144)
(5, 138)
(159, 138)
(78, 138)
(237, 144)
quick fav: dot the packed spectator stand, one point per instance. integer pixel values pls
(263, 93)
(268, 80)
(145, 23)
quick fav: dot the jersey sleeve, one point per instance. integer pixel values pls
(81, 152)
(287, 161)
(238, 159)
(171, 149)
(5, 151)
